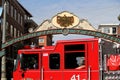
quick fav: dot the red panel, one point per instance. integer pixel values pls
(113, 62)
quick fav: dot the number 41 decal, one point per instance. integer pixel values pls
(75, 77)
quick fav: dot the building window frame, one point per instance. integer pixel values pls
(15, 14)
(15, 32)
(18, 17)
(8, 7)
(114, 30)
(106, 30)
(21, 20)
(11, 30)
(11, 11)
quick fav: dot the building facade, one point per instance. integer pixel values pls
(112, 29)
(18, 21)
(110, 47)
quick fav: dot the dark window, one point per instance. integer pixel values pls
(74, 60)
(74, 47)
(54, 61)
(114, 30)
(29, 61)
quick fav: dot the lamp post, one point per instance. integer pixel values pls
(3, 62)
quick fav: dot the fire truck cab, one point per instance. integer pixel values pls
(67, 60)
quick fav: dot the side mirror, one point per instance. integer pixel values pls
(22, 63)
(16, 62)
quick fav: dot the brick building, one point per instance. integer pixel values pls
(18, 21)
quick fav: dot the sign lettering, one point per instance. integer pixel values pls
(75, 77)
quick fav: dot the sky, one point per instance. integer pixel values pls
(95, 11)
(0, 11)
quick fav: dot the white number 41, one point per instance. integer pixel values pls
(75, 77)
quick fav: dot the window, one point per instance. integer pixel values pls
(11, 11)
(74, 60)
(14, 32)
(74, 47)
(18, 17)
(25, 17)
(54, 61)
(29, 61)
(7, 26)
(106, 30)
(18, 33)
(74, 57)
(21, 20)
(15, 14)
(11, 30)
(41, 40)
(7, 7)
(114, 30)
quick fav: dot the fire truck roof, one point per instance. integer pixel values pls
(86, 39)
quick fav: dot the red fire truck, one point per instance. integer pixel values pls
(67, 60)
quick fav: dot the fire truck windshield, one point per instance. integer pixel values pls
(29, 61)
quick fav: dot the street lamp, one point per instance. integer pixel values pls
(30, 30)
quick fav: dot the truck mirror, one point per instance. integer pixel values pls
(22, 62)
(21, 56)
(16, 62)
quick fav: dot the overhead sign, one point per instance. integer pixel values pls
(60, 31)
(65, 20)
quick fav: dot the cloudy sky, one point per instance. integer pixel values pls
(95, 11)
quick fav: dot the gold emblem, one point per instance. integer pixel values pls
(65, 21)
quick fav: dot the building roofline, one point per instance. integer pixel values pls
(30, 15)
(110, 24)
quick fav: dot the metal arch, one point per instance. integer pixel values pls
(60, 31)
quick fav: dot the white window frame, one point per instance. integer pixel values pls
(106, 30)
